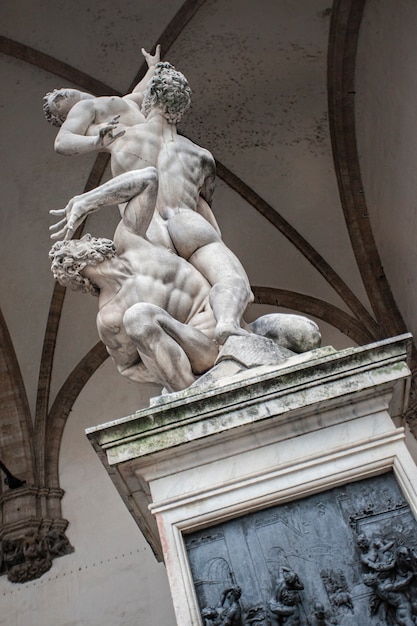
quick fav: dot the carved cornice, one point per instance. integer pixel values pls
(32, 533)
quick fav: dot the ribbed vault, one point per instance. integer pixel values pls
(34, 452)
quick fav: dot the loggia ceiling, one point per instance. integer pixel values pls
(308, 109)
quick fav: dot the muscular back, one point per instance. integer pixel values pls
(186, 170)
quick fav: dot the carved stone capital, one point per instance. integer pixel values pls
(32, 533)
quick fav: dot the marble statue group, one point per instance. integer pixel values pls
(171, 294)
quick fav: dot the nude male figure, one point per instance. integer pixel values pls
(183, 221)
(95, 118)
(154, 313)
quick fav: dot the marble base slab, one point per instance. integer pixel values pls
(257, 439)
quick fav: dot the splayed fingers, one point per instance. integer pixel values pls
(74, 214)
(106, 135)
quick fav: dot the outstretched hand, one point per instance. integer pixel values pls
(74, 214)
(152, 60)
(106, 136)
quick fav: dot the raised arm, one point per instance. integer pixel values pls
(72, 139)
(138, 188)
(137, 94)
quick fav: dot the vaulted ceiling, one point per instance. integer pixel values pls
(305, 106)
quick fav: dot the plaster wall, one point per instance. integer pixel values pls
(386, 119)
(112, 577)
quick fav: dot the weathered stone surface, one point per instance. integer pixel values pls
(253, 350)
(174, 292)
(258, 439)
(30, 538)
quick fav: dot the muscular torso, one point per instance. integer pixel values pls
(145, 273)
(183, 166)
(186, 171)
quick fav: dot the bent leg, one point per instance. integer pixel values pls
(197, 242)
(230, 294)
(176, 353)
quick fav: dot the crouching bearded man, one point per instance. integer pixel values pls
(155, 315)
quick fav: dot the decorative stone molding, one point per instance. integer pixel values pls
(198, 461)
(32, 533)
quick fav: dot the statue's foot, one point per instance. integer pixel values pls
(226, 329)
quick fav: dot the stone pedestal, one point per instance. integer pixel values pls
(256, 441)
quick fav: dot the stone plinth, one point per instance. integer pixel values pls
(271, 435)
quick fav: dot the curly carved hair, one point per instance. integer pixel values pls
(57, 115)
(169, 91)
(49, 114)
(69, 258)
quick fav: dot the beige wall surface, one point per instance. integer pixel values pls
(112, 578)
(386, 119)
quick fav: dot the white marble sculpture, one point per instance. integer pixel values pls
(147, 135)
(170, 291)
